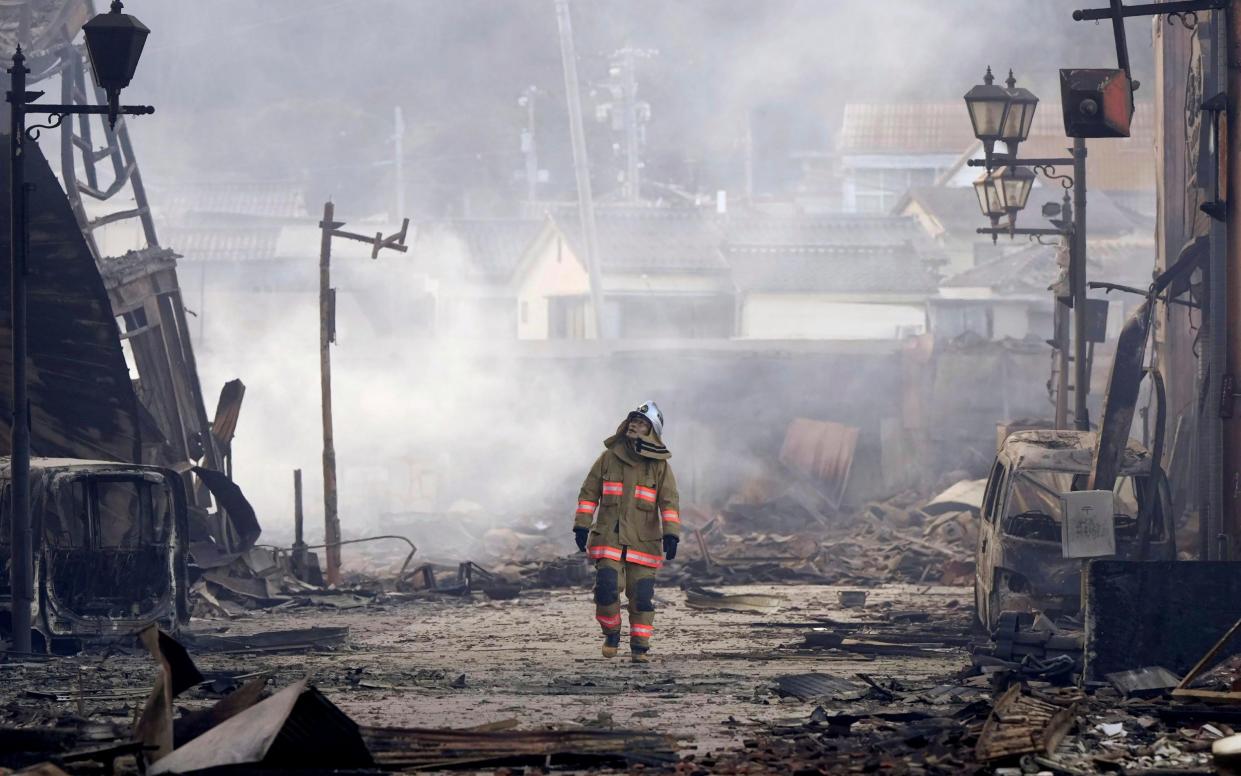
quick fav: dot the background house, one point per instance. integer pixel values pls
(882, 150)
(469, 264)
(950, 217)
(830, 277)
(662, 271)
(1010, 297)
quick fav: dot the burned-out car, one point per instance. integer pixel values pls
(1020, 564)
(109, 549)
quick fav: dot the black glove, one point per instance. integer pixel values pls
(670, 546)
(579, 536)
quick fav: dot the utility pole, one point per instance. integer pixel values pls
(749, 156)
(327, 335)
(529, 147)
(398, 158)
(581, 164)
(629, 88)
(623, 87)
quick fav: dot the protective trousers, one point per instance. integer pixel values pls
(639, 584)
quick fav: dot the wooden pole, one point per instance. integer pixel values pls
(299, 536)
(327, 335)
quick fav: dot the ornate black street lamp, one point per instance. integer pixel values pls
(114, 43)
(1006, 191)
(1019, 117)
(989, 200)
(1013, 185)
(988, 107)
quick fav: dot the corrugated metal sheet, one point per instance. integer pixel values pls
(823, 450)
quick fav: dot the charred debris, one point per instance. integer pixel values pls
(903, 595)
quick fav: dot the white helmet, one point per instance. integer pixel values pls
(650, 411)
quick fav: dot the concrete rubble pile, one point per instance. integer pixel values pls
(905, 538)
(901, 539)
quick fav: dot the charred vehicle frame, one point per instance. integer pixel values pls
(109, 549)
(1020, 566)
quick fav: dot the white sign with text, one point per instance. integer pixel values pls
(1089, 524)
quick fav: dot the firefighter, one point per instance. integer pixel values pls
(628, 522)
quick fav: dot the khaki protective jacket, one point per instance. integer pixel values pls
(630, 501)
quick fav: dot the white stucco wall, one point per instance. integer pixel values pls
(554, 271)
(810, 316)
(1009, 320)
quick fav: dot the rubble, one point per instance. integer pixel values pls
(700, 598)
(1021, 723)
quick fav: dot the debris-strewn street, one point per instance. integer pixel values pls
(695, 387)
(731, 689)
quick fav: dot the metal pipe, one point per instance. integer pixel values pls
(1149, 9)
(1077, 263)
(1020, 231)
(21, 563)
(1118, 32)
(998, 160)
(337, 545)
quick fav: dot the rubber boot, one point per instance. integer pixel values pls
(639, 654)
(611, 643)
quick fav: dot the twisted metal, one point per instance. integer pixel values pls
(1188, 20)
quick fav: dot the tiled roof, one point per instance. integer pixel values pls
(653, 240)
(823, 230)
(1033, 269)
(956, 209)
(1120, 164)
(905, 128)
(830, 254)
(836, 270)
(1030, 269)
(265, 199)
(491, 247)
(254, 242)
(1112, 164)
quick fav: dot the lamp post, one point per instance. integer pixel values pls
(1006, 115)
(114, 42)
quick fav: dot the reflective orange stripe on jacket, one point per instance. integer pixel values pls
(586, 507)
(601, 553)
(644, 494)
(613, 488)
(670, 516)
(643, 559)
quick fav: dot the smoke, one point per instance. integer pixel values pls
(303, 90)
(306, 87)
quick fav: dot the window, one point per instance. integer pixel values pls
(111, 513)
(1034, 504)
(994, 486)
